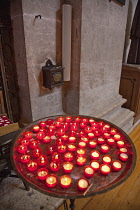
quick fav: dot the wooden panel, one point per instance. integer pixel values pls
(126, 89)
(2, 103)
(130, 88)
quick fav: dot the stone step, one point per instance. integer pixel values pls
(110, 108)
(122, 117)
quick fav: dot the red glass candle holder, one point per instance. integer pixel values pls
(101, 124)
(42, 173)
(116, 165)
(88, 129)
(47, 139)
(97, 133)
(42, 124)
(107, 127)
(92, 143)
(60, 132)
(85, 139)
(62, 148)
(32, 166)
(42, 160)
(77, 119)
(43, 130)
(91, 121)
(95, 124)
(81, 133)
(69, 119)
(81, 152)
(40, 135)
(25, 142)
(61, 119)
(65, 137)
(28, 135)
(94, 128)
(123, 157)
(81, 144)
(100, 140)
(82, 184)
(85, 120)
(49, 121)
(82, 125)
(94, 155)
(80, 160)
(117, 137)
(106, 159)
(68, 156)
(51, 149)
(74, 127)
(37, 152)
(51, 132)
(54, 166)
(56, 157)
(88, 171)
(67, 167)
(51, 127)
(59, 141)
(123, 150)
(65, 181)
(110, 141)
(65, 126)
(105, 169)
(72, 133)
(25, 158)
(120, 144)
(22, 149)
(106, 135)
(104, 148)
(72, 139)
(58, 124)
(113, 131)
(51, 180)
(91, 135)
(95, 165)
(34, 144)
(71, 147)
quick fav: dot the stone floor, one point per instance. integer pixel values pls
(13, 196)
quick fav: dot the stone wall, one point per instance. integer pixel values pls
(102, 42)
(41, 42)
(21, 62)
(97, 50)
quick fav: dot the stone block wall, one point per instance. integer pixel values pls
(98, 35)
(41, 42)
(102, 43)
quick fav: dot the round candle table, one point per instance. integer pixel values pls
(55, 136)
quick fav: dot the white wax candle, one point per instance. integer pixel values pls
(83, 183)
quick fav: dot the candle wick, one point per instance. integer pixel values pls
(87, 189)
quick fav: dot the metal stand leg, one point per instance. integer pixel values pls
(26, 186)
(72, 205)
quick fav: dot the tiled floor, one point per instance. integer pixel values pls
(13, 196)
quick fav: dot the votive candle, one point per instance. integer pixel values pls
(51, 180)
(65, 181)
(88, 171)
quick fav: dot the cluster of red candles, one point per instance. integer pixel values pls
(67, 141)
(4, 121)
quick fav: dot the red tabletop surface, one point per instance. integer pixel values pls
(100, 183)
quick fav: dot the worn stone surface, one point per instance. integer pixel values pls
(13, 196)
(101, 55)
(34, 44)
